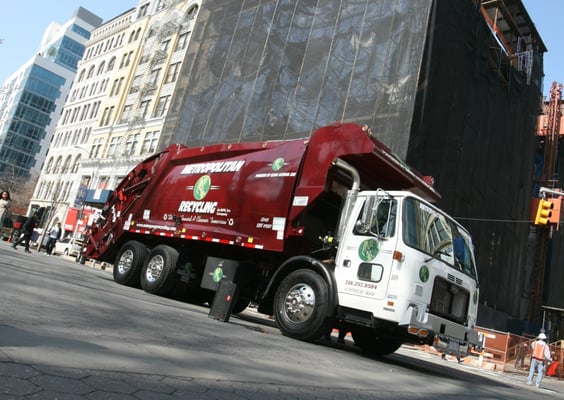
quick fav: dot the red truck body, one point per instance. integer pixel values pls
(250, 195)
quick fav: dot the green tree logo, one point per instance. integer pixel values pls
(202, 187)
(277, 164)
(368, 250)
(217, 274)
(424, 273)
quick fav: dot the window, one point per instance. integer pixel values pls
(143, 9)
(165, 44)
(136, 84)
(112, 149)
(128, 60)
(75, 165)
(104, 182)
(144, 108)
(377, 218)
(192, 13)
(155, 75)
(172, 73)
(90, 72)
(150, 142)
(96, 148)
(162, 106)
(131, 144)
(116, 87)
(49, 165)
(182, 41)
(161, 5)
(126, 113)
(112, 64)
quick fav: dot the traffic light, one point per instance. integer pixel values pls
(544, 212)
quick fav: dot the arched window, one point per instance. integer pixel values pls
(101, 68)
(191, 14)
(81, 76)
(57, 168)
(76, 164)
(67, 164)
(90, 72)
(112, 64)
(49, 165)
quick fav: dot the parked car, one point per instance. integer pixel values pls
(68, 246)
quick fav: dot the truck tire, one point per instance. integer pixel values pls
(158, 275)
(301, 305)
(241, 304)
(370, 342)
(129, 262)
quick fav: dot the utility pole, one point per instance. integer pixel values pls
(551, 133)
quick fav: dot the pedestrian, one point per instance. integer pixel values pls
(521, 353)
(540, 355)
(54, 235)
(5, 206)
(27, 231)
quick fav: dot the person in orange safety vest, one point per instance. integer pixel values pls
(540, 355)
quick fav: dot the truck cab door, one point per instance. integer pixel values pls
(366, 250)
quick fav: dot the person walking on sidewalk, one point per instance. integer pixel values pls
(27, 230)
(54, 235)
(540, 355)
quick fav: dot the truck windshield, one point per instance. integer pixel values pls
(430, 231)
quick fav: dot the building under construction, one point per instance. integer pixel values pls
(453, 87)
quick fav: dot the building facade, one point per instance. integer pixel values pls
(115, 112)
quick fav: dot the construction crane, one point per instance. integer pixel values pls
(550, 133)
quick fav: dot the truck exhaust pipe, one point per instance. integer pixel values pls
(350, 197)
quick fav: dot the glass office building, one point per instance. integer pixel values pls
(31, 99)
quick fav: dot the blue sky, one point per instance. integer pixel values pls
(22, 24)
(547, 17)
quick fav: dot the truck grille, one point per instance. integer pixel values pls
(450, 300)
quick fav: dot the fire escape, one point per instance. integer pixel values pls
(550, 134)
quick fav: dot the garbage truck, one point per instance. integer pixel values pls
(333, 230)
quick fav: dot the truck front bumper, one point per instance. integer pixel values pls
(447, 335)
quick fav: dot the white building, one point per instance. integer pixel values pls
(116, 109)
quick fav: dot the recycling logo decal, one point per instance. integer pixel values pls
(202, 187)
(277, 164)
(424, 273)
(368, 250)
(217, 274)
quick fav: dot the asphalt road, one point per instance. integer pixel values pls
(68, 331)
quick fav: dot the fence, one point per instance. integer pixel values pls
(502, 348)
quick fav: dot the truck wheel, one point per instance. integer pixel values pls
(300, 305)
(372, 343)
(128, 263)
(158, 275)
(241, 304)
